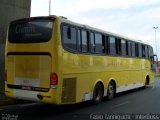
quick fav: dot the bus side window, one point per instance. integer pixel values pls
(133, 49)
(92, 47)
(136, 50)
(84, 42)
(112, 45)
(146, 49)
(118, 47)
(79, 40)
(151, 53)
(99, 48)
(123, 47)
(143, 51)
(69, 38)
(106, 44)
(140, 50)
(129, 48)
(103, 44)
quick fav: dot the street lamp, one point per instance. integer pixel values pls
(155, 28)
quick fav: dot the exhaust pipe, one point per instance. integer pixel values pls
(39, 96)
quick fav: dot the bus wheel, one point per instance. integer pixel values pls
(146, 82)
(111, 91)
(98, 93)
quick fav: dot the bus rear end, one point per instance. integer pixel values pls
(29, 60)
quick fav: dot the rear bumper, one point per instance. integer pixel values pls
(44, 97)
(22, 94)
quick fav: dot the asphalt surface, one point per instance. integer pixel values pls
(138, 101)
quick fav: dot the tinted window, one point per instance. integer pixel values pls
(69, 37)
(140, 50)
(112, 45)
(104, 43)
(79, 41)
(30, 31)
(107, 44)
(143, 51)
(92, 42)
(146, 49)
(137, 50)
(151, 53)
(129, 50)
(98, 42)
(133, 49)
(123, 47)
(84, 41)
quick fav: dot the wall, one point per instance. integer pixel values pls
(10, 10)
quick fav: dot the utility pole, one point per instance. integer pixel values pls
(49, 7)
(155, 28)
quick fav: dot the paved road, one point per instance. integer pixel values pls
(139, 101)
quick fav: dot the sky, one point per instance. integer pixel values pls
(131, 18)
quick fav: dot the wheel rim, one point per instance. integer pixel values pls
(97, 94)
(110, 91)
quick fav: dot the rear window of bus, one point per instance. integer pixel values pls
(30, 31)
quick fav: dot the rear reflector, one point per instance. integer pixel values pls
(53, 80)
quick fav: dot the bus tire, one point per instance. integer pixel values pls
(146, 82)
(111, 90)
(98, 93)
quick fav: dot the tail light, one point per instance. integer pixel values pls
(53, 80)
(6, 76)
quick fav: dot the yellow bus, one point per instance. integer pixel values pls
(54, 60)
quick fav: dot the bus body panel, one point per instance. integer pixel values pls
(128, 73)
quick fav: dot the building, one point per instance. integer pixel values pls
(10, 10)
